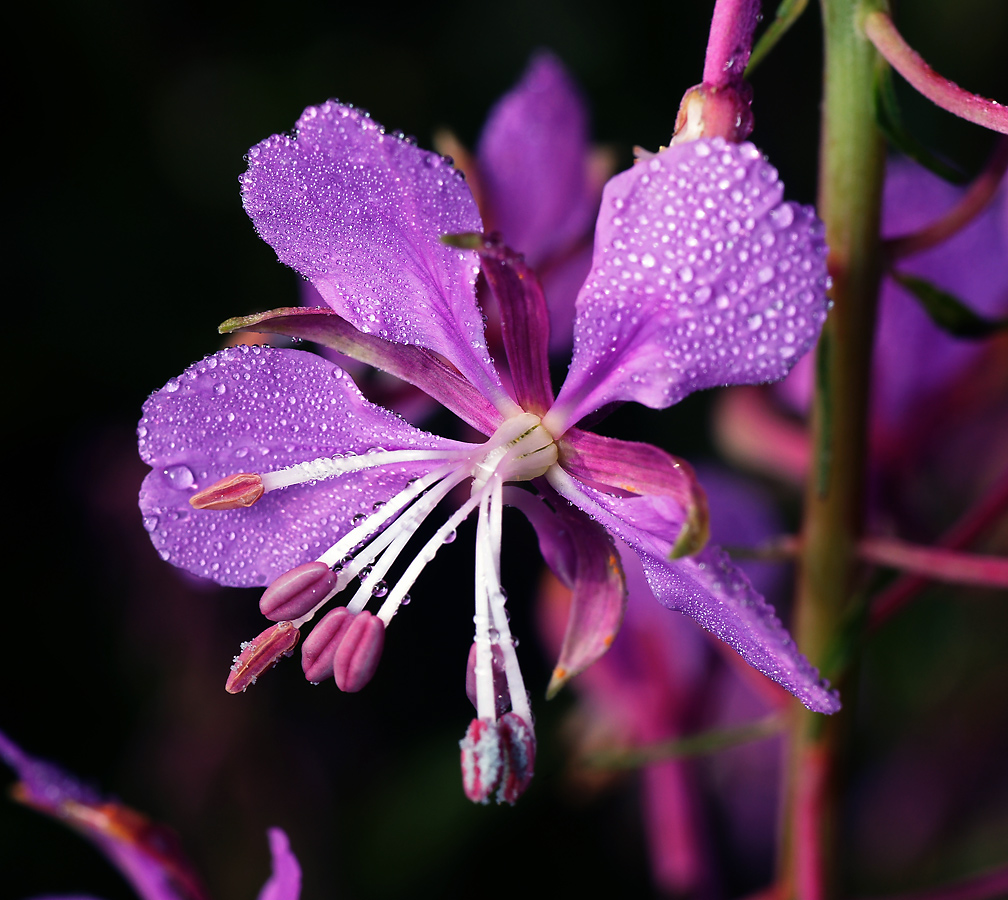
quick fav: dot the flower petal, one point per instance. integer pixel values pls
(359, 212)
(702, 276)
(533, 161)
(641, 469)
(259, 409)
(147, 853)
(525, 323)
(285, 882)
(415, 365)
(585, 558)
(706, 586)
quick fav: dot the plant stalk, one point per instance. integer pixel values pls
(851, 168)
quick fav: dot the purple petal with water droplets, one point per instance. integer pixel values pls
(707, 587)
(359, 212)
(256, 409)
(702, 276)
(533, 162)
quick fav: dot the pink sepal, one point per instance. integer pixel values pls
(501, 697)
(296, 592)
(260, 654)
(358, 652)
(320, 646)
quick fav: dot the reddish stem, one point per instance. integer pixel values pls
(964, 533)
(730, 41)
(879, 29)
(935, 562)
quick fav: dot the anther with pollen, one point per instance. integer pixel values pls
(260, 654)
(233, 492)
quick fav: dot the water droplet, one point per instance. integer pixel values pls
(181, 477)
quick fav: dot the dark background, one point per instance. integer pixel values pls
(127, 244)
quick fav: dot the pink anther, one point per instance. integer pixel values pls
(320, 646)
(359, 651)
(260, 654)
(297, 592)
(233, 492)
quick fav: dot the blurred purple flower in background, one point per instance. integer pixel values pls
(148, 855)
(701, 276)
(664, 679)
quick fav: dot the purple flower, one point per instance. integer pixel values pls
(269, 467)
(147, 854)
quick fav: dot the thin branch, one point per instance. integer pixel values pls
(880, 30)
(967, 530)
(700, 744)
(935, 562)
(973, 202)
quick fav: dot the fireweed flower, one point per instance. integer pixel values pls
(269, 467)
(147, 854)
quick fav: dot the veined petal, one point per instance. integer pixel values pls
(702, 276)
(533, 160)
(641, 469)
(705, 586)
(583, 556)
(525, 323)
(359, 212)
(415, 365)
(256, 409)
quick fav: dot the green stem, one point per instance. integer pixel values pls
(850, 186)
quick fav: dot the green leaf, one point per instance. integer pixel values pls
(890, 122)
(787, 14)
(695, 745)
(947, 311)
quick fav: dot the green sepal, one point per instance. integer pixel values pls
(788, 13)
(947, 311)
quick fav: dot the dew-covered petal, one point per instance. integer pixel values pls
(525, 324)
(415, 365)
(285, 881)
(147, 853)
(359, 212)
(256, 409)
(533, 159)
(702, 276)
(641, 469)
(705, 586)
(583, 556)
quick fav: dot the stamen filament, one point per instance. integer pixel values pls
(426, 554)
(399, 534)
(326, 467)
